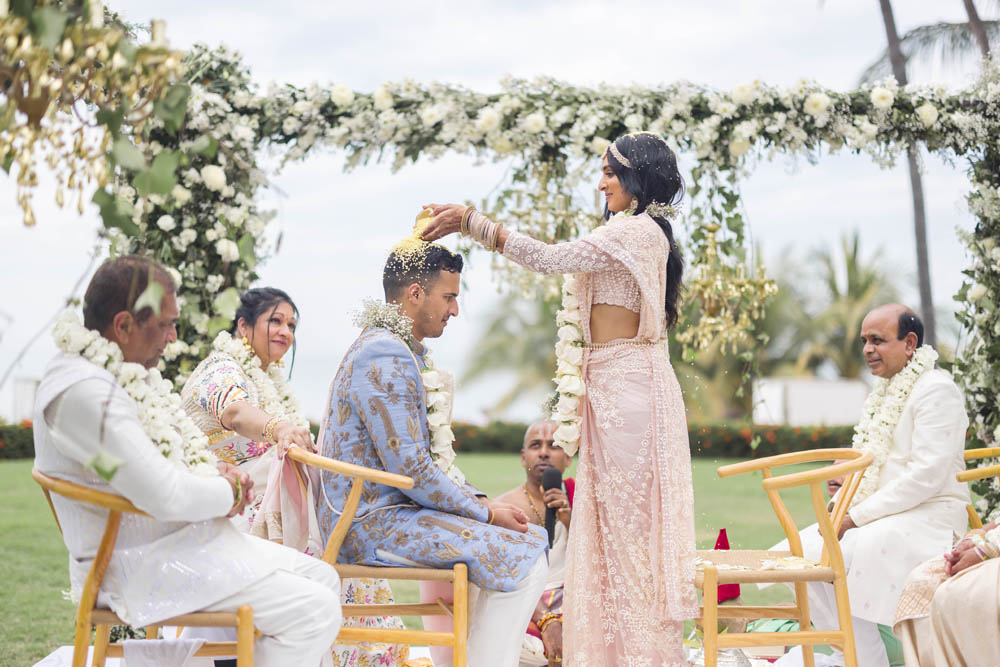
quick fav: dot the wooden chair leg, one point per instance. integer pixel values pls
(102, 636)
(152, 632)
(710, 616)
(805, 621)
(244, 636)
(460, 614)
(81, 639)
(844, 617)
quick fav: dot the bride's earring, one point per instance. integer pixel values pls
(634, 204)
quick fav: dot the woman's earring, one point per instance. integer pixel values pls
(246, 344)
(634, 204)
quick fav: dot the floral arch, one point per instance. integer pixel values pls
(189, 198)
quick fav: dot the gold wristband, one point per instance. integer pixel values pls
(492, 516)
(237, 485)
(268, 432)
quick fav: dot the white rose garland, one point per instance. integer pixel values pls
(276, 396)
(160, 409)
(881, 413)
(570, 385)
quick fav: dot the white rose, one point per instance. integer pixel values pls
(341, 95)
(569, 281)
(502, 145)
(567, 433)
(436, 399)
(882, 98)
(569, 333)
(211, 235)
(989, 243)
(441, 440)
(928, 114)
(180, 194)
(564, 367)
(214, 177)
(634, 121)
(571, 316)
(534, 123)
(977, 292)
(816, 104)
(228, 250)
(567, 404)
(573, 354)
(745, 93)
(436, 419)
(570, 384)
(166, 223)
(488, 120)
(431, 115)
(738, 147)
(242, 133)
(185, 238)
(570, 301)
(432, 380)
(563, 417)
(383, 98)
(301, 107)
(598, 145)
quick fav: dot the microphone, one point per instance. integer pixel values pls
(551, 479)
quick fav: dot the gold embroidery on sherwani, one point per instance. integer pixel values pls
(498, 561)
(343, 412)
(413, 428)
(430, 522)
(448, 552)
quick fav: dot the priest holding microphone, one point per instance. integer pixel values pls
(547, 499)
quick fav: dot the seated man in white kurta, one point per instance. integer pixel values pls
(909, 506)
(186, 556)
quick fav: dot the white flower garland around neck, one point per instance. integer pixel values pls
(161, 410)
(438, 399)
(276, 396)
(881, 413)
(569, 375)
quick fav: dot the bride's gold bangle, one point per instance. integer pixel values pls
(464, 227)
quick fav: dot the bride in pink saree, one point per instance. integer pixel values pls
(630, 569)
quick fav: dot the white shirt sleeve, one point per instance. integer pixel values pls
(939, 424)
(95, 415)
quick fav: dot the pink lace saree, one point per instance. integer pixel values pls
(630, 569)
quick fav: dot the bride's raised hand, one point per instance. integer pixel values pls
(447, 220)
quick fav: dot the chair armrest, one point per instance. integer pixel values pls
(979, 473)
(349, 469)
(982, 453)
(860, 462)
(791, 458)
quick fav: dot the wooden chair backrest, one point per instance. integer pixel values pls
(360, 475)
(116, 506)
(847, 463)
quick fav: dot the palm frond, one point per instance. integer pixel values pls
(939, 44)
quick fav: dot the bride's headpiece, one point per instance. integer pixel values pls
(618, 156)
(657, 210)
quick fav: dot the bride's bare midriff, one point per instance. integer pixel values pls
(608, 323)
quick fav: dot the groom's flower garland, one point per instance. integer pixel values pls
(569, 376)
(160, 409)
(881, 413)
(276, 396)
(379, 315)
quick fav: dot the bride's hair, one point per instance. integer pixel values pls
(652, 176)
(263, 301)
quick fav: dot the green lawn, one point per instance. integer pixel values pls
(33, 561)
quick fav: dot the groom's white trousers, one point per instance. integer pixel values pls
(296, 609)
(823, 608)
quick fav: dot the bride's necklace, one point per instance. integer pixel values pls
(534, 510)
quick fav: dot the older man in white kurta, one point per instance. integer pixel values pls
(186, 556)
(917, 506)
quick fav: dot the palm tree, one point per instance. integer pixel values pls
(957, 38)
(852, 288)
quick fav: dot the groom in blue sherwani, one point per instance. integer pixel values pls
(377, 417)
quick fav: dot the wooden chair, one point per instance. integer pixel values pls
(975, 521)
(458, 576)
(752, 567)
(90, 617)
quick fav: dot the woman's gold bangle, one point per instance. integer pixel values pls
(464, 227)
(268, 432)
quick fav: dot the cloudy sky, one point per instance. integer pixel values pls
(338, 226)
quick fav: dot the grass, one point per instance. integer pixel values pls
(33, 561)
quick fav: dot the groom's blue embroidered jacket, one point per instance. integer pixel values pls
(377, 417)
